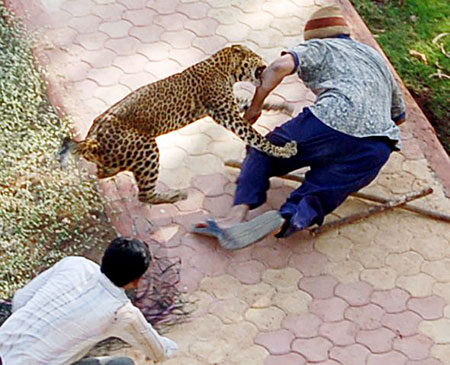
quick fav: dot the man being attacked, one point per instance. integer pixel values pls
(345, 137)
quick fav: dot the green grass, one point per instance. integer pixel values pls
(411, 25)
(45, 213)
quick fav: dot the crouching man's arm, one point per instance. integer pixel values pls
(136, 331)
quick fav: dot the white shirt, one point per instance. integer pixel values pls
(63, 312)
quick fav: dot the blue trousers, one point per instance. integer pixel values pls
(340, 164)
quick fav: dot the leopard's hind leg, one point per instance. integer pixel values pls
(146, 171)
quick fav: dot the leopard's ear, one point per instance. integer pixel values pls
(237, 48)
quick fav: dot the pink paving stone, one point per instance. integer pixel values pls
(108, 12)
(167, 236)
(62, 37)
(202, 28)
(309, 264)
(111, 94)
(134, 81)
(404, 323)
(320, 287)
(140, 17)
(163, 6)
(411, 150)
(76, 71)
(77, 8)
(327, 362)
(430, 361)
(210, 185)
(314, 349)
(415, 347)
(392, 301)
(134, 4)
(187, 57)
(190, 279)
(428, 308)
(391, 358)
(118, 29)
(368, 317)
(303, 325)
(162, 214)
(219, 206)
(350, 355)
(194, 10)
(179, 39)
(85, 25)
(355, 293)
(142, 226)
(92, 41)
(123, 46)
(214, 264)
(172, 22)
(187, 219)
(87, 88)
(210, 45)
(379, 340)
(329, 310)
(340, 333)
(249, 272)
(288, 359)
(276, 342)
(147, 34)
(273, 256)
(99, 58)
(131, 64)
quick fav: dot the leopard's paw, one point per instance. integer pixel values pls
(288, 150)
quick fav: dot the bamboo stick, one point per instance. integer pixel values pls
(365, 196)
(371, 211)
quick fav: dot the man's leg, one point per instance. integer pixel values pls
(327, 186)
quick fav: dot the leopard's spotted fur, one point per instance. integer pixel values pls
(123, 137)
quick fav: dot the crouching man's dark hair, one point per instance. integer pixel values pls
(125, 260)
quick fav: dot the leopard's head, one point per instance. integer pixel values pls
(248, 66)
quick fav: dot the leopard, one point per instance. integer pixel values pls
(123, 138)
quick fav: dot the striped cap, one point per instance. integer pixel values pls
(326, 22)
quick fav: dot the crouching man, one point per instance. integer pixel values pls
(63, 312)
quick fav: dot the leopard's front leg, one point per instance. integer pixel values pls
(231, 119)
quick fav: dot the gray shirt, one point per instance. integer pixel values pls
(357, 93)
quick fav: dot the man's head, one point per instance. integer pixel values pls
(125, 260)
(325, 23)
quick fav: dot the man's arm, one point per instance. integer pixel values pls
(133, 328)
(270, 79)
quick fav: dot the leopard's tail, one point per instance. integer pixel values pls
(69, 146)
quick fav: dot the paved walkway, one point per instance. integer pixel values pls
(375, 292)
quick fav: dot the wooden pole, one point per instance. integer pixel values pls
(365, 196)
(371, 211)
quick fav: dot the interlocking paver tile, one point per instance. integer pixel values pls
(414, 347)
(392, 301)
(276, 342)
(354, 354)
(330, 310)
(313, 349)
(368, 317)
(379, 340)
(404, 323)
(320, 287)
(289, 359)
(419, 285)
(391, 358)
(428, 308)
(340, 333)
(265, 319)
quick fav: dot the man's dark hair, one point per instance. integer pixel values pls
(125, 260)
